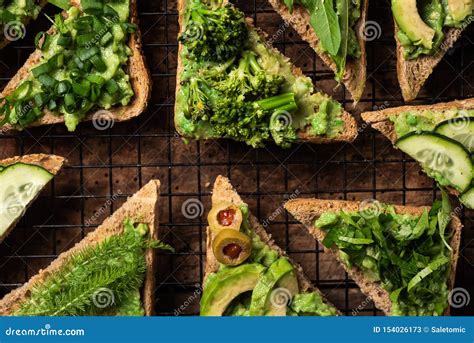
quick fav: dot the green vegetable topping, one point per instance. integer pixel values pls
(234, 86)
(15, 12)
(102, 279)
(334, 22)
(82, 67)
(408, 254)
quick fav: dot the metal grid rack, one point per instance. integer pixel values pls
(107, 166)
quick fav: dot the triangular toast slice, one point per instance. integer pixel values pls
(142, 207)
(458, 112)
(356, 69)
(307, 211)
(347, 133)
(224, 192)
(137, 70)
(15, 28)
(12, 209)
(412, 74)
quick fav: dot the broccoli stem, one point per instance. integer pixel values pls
(282, 102)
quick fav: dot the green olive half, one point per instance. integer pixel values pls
(231, 247)
(225, 216)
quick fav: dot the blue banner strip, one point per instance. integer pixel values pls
(241, 330)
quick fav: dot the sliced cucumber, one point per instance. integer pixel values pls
(441, 157)
(467, 198)
(19, 185)
(460, 129)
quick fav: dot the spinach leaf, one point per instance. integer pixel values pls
(341, 58)
(325, 23)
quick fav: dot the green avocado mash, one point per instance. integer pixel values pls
(418, 121)
(247, 93)
(408, 255)
(17, 11)
(425, 36)
(82, 68)
(264, 285)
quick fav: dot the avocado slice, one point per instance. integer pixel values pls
(227, 285)
(459, 9)
(408, 18)
(280, 271)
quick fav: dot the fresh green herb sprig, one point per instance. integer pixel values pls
(117, 265)
(409, 255)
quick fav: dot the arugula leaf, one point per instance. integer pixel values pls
(444, 217)
(325, 23)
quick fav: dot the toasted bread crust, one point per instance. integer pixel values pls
(350, 130)
(51, 163)
(224, 192)
(140, 80)
(356, 70)
(142, 206)
(412, 74)
(307, 210)
(380, 120)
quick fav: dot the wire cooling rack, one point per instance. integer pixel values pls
(106, 166)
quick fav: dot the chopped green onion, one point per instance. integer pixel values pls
(47, 81)
(98, 63)
(62, 87)
(70, 102)
(81, 88)
(112, 86)
(92, 6)
(85, 39)
(110, 12)
(52, 105)
(40, 99)
(38, 38)
(96, 79)
(106, 39)
(42, 69)
(22, 91)
(85, 54)
(64, 40)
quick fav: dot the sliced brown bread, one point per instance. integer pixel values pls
(142, 206)
(140, 79)
(356, 70)
(412, 74)
(307, 211)
(224, 192)
(4, 41)
(380, 120)
(51, 163)
(350, 130)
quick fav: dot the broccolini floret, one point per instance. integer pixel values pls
(214, 33)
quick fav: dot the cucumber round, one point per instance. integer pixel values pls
(20, 185)
(467, 198)
(460, 129)
(441, 157)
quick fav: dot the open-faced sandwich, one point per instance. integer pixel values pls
(14, 16)
(336, 30)
(425, 31)
(89, 65)
(404, 258)
(440, 137)
(21, 181)
(232, 84)
(109, 273)
(246, 273)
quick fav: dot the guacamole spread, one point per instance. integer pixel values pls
(233, 85)
(422, 23)
(82, 67)
(261, 283)
(407, 255)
